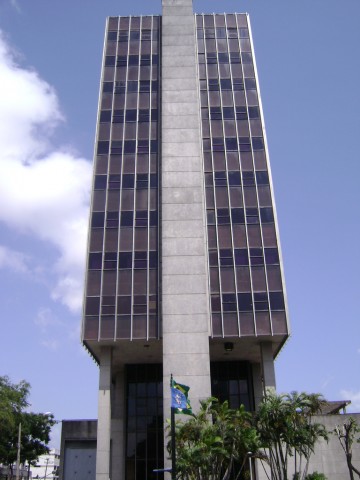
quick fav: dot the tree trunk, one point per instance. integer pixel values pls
(348, 461)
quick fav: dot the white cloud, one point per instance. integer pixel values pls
(353, 396)
(44, 191)
(13, 260)
(15, 4)
(51, 344)
(46, 319)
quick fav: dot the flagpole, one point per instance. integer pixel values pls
(173, 444)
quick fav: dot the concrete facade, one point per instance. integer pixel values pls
(78, 449)
(185, 305)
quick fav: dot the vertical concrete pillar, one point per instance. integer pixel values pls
(117, 428)
(268, 370)
(185, 308)
(257, 383)
(104, 416)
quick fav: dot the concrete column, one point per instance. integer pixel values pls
(257, 383)
(185, 307)
(268, 370)
(117, 428)
(104, 416)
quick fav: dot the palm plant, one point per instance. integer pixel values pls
(286, 428)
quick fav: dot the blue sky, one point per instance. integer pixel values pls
(309, 69)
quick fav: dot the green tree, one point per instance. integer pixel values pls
(35, 427)
(347, 435)
(214, 444)
(13, 400)
(286, 428)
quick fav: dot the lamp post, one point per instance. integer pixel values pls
(47, 463)
(18, 454)
(250, 465)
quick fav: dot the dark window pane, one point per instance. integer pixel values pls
(128, 181)
(231, 144)
(237, 215)
(116, 147)
(109, 60)
(238, 84)
(234, 178)
(100, 182)
(248, 178)
(252, 215)
(250, 83)
(258, 143)
(105, 115)
(127, 219)
(262, 178)
(130, 115)
(267, 215)
(228, 113)
(277, 301)
(241, 114)
(95, 261)
(225, 84)
(271, 255)
(244, 144)
(254, 112)
(125, 259)
(241, 257)
(246, 57)
(245, 302)
(97, 220)
(102, 148)
(153, 260)
(129, 146)
(118, 116)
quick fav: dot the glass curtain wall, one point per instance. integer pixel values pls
(122, 278)
(245, 277)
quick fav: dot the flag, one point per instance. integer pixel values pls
(179, 398)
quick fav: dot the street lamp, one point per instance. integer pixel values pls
(250, 465)
(18, 454)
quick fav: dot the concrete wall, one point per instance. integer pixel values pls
(78, 449)
(185, 308)
(329, 458)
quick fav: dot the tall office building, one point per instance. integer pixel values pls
(184, 273)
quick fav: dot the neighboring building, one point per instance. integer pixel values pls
(184, 272)
(78, 450)
(6, 472)
(47, 466)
